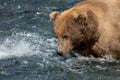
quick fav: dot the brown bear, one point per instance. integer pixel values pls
(91, 27)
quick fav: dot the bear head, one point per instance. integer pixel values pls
(74, 30)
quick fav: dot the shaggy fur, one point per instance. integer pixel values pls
(91, 28)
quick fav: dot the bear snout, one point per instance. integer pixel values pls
(59, 51)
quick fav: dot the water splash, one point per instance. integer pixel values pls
(24, 44)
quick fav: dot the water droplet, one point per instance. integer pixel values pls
(38, 13)
(19, 6)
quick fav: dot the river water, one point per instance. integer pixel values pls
(27, 46)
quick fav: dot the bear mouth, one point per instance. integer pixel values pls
(74, 54)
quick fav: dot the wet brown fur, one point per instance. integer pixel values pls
(97, 34)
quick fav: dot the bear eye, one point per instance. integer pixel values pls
(65, 37)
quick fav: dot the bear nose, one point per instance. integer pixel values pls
(59, 51)
(60, 54)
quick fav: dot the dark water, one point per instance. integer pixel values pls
(27, 46)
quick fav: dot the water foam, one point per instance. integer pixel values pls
(11, 48)
(24, 44)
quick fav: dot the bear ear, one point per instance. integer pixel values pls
(82, 19)
(54, 15)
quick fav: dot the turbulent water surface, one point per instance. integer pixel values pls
(27, 46)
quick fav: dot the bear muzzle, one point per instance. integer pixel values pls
(63, 48)
(60, 51)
